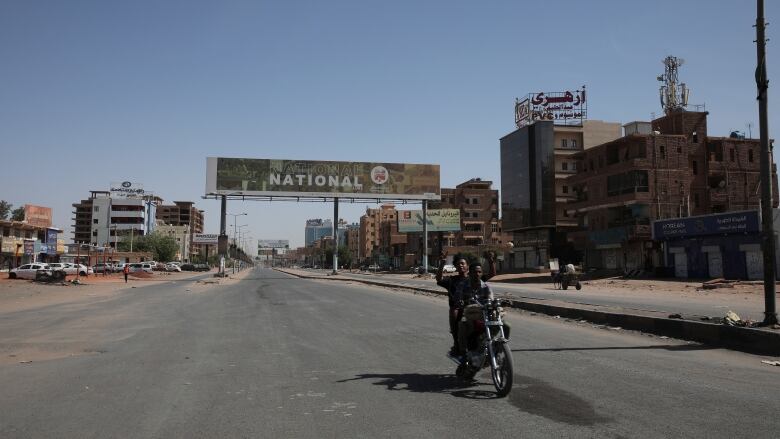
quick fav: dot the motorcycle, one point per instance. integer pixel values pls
(492, 347)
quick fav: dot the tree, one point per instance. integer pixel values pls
(345, 257)
(18, 214)
(162, 247)
(5, 209)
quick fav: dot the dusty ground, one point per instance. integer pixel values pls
(28, 344)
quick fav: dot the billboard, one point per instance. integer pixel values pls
(38, 216)
(307, 178)
(273, 243)
(127, 189)
(205, 238)
(565, 106)
(715, 224)
(439, 220)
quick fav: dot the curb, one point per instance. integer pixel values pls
(750, 340)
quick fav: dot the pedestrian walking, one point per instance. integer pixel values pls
(126, 271)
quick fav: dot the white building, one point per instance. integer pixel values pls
(182, 236)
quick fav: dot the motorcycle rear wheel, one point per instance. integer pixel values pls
(503, 374)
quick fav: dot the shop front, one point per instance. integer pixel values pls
(724, 245)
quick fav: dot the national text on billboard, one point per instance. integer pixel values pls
(306, 178)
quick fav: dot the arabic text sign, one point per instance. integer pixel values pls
(127, 189)
(439, 220)
(273, 243)
(717, 224)
(205, 238)
(556, 106)
(306, 178)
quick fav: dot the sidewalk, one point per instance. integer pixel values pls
(613, 294)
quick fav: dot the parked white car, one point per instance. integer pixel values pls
(171, 267)
(449, 268)
(28, 271)
(136, 267)
(80, 269)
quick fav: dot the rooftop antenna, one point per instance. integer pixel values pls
(674, 94)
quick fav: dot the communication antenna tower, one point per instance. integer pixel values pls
(674, 94)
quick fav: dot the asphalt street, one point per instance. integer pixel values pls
(278, 356)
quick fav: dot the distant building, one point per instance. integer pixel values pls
(379, 241)
(316, 229)
(182, 213)
(108, 217)
(477, 202)
(183, 236)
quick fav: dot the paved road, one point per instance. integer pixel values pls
(276, 356)
(712, 305)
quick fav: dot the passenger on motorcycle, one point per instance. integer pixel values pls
(474, 292)
(455, 285)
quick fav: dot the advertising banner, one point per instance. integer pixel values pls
(8, 245)
(29, 247)
(716, 224)
(205, 238)
(273, 243)
(127, 189)
(38, 216)
(439, 220)
(306, 178)
(565, 107)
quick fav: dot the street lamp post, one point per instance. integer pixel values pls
(235, 215)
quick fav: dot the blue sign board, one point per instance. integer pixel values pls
(716, 224)
(51, 241)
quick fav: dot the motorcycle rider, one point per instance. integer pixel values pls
(455, 286)
(475, 289)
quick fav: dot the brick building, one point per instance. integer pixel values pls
(380, 242)
(667, 168)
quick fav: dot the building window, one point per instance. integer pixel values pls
(475, 201)
(95, 221)
(565, 189)
(96, 209)
(565, 166)
(591, 164)
(564, 143)
(750, 155)
(662, 151)
(494, 227)
(573, 143)
(695, 200)
(695, 167)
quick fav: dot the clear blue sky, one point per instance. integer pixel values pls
(98, 91)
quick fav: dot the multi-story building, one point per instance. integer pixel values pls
(372, 247)
(183, 236)
(316, 229)
(182, 213)
(536, 162)
(109, 217)
(352, 235)
(667, 168)
(478, 204)
(22, 242)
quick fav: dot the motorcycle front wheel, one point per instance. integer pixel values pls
(503, 374)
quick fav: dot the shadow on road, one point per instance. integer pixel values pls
(670, 347)
(415, 382)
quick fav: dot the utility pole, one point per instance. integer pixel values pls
(768, 238)
(335, 235)
(425, 237)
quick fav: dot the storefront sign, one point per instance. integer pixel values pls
(716, 224)
(439, 220)
(29, 247)
(306, 178)
(566, 106)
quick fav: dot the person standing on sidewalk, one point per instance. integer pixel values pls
(455, 285)
(126, 271)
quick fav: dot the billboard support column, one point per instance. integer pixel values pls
(335, 235)
(425, 237)
(222, 247)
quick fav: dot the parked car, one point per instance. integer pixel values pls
(57, 266)
(187, 267)
(137, 267)
(449, 268)
(119, 267)
(202, 267)
(172, 267)
(100, 267)
(28, 271)
(80, 269)
(373, 267)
